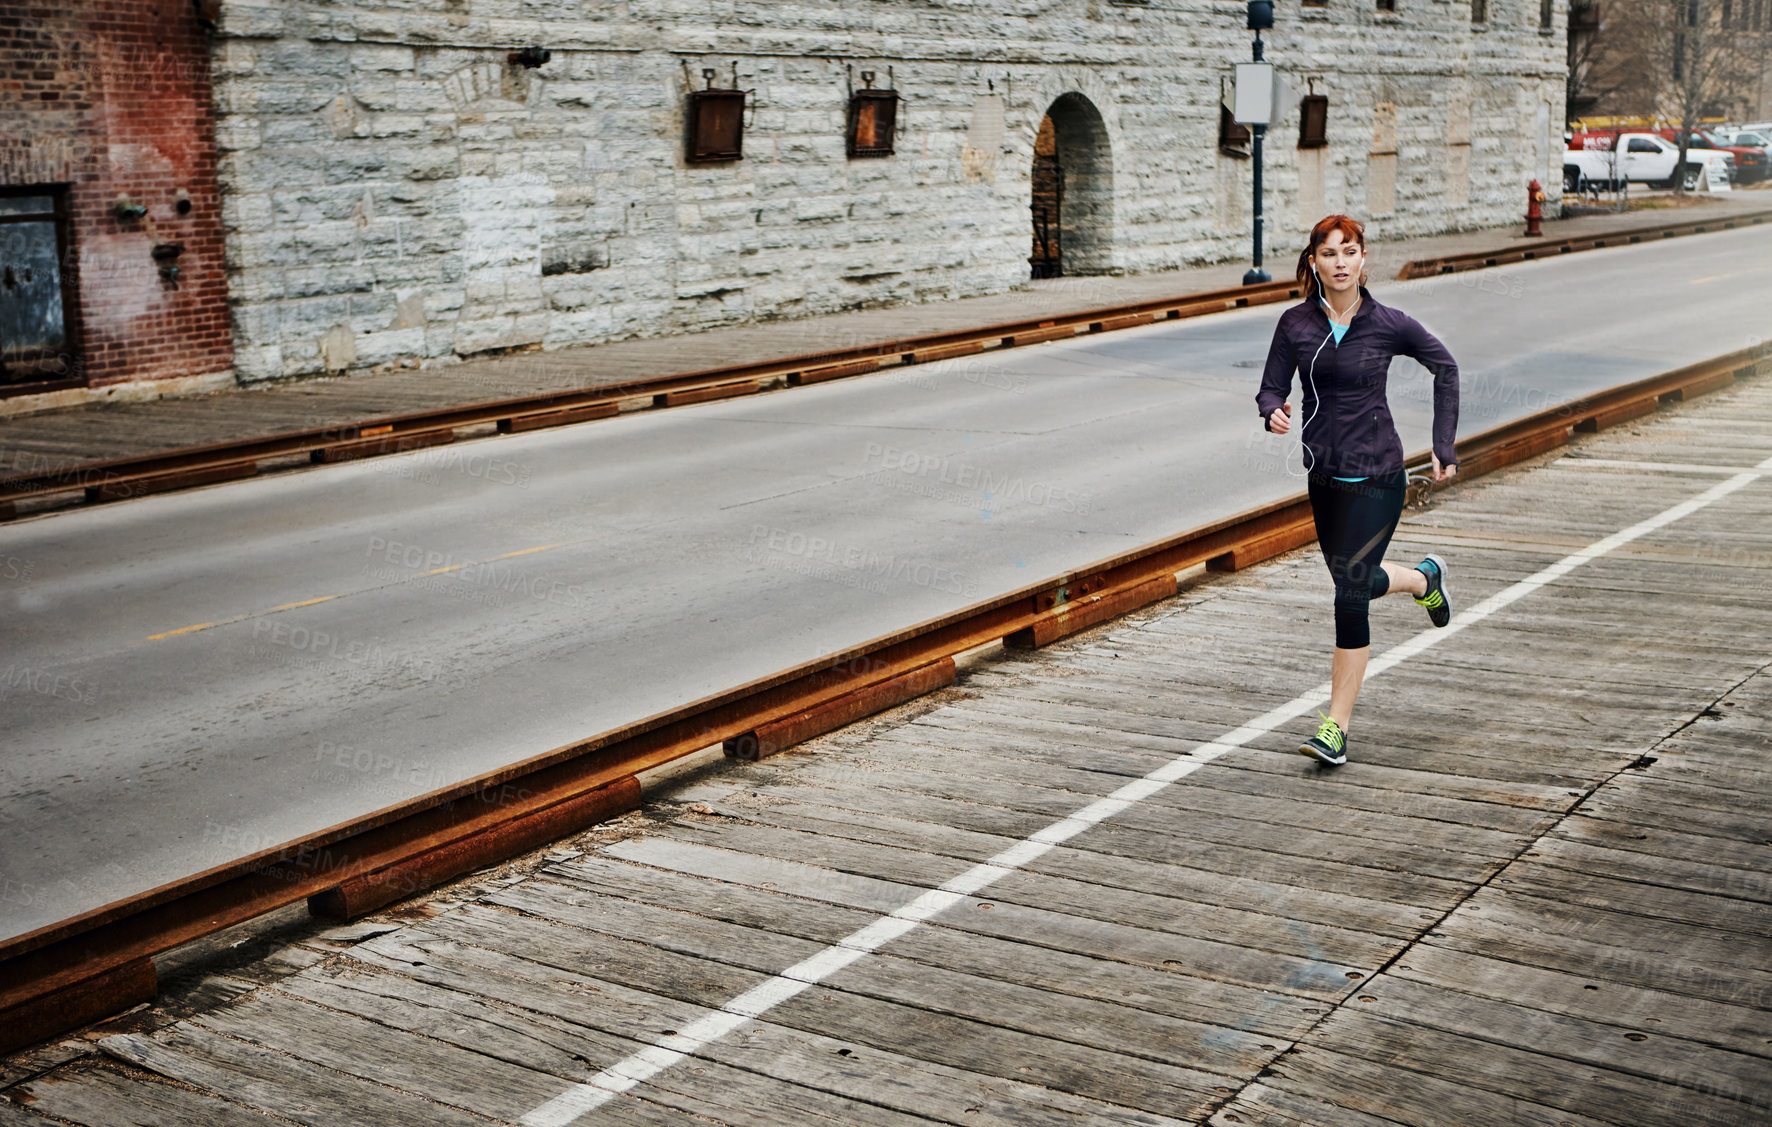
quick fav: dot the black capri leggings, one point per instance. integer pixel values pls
(1355, 520)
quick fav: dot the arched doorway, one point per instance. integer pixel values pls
(1073, 203)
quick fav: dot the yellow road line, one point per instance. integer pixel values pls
(327, 598)
(525, 552)
(303, 603)
(184, 630)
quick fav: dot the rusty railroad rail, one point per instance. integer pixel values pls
(85, 968)
(1552, 248)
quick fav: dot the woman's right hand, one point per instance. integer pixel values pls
(1280, 422)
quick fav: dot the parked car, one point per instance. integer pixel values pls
(1608, 159)
(1750, 163)
(1752, 138)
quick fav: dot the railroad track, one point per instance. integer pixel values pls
(1552, 248)
(81, 969)
(123, 478)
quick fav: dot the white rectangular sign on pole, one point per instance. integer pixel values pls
(1254, 100)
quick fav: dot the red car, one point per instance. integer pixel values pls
(1750, 163)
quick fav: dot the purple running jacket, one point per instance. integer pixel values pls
(1349, 431)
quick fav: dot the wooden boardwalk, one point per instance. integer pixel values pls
(1536, 895)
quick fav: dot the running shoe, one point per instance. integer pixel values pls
(1439, 606)
(1328, 746)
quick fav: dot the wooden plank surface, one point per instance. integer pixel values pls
(1537, 893)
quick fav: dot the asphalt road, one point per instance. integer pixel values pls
(191, 677)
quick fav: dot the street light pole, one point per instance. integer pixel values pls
(1261, 15)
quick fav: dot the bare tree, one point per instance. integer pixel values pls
(1709, 69)
(1596, 69)
(1676, 60)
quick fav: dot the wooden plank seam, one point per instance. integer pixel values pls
(575, 1102)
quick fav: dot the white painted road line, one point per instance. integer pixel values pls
(580, 1099)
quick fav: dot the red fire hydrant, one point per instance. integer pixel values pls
(1534, 209)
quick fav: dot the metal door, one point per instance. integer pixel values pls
(1048, 211)
(35, 341)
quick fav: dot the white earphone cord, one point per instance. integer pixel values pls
(1306, 460)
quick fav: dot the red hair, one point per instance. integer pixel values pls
(1352, 231)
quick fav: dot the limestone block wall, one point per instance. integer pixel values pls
(399, 192)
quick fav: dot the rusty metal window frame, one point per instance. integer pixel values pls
(1313, 121)
(699, 147)
(62, 219)
(883, 105)
(1233, 137)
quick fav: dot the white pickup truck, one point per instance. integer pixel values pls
(1607, 161)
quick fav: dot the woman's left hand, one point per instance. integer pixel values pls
(1443, 473)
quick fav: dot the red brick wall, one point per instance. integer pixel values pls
(110, 97)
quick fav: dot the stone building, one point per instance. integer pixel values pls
(412, 181)
(111, 264)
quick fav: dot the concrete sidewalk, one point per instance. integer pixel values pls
(44, 441)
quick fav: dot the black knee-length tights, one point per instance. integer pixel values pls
(1355, 520)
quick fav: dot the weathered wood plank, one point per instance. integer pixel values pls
(956, 1042)
(991, 1001)
(1647, 810)
(1629, 836)
(1524, 1074)
(1167, 894)
(1092, 719)
(1644, 1051)
(1274, 754)
(1419, 769)
(1401, 1094)
(450, 1066)
(482, 977)
(1610, 946)
(1650, 901)
(706, 1087)
(389, 1057)
(277, 1083)
(1655, 788)
(1727, 765)
(1149, 831)
(102, 1097)
(1017, 810)
(1128, 874)
(1258, 1105)
(1738, 1028)
(1653, 868)
(1024, 946)
(1291, 801)
(1410, 737)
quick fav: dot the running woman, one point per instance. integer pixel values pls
(1341, 342)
